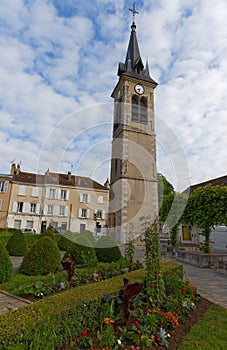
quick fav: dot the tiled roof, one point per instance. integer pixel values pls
(214, 182)
(57, 179)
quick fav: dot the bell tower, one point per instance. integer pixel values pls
(133, 180)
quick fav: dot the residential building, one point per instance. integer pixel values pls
(188, 234)
(5, 189)
(65, 201)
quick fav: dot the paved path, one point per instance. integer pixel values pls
(210, 284)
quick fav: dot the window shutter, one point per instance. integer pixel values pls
(81, 197)
(56, 210)
(66, 210)
(58, 193)
(6, 186)
(67, 195)
(79, 213)
(88, 198)
(45, 209)
(35, 192)
(100, 199)
(47, 192)
(37, 208)
(21, 191)
(88, 214)
(103, 214)
(14, 208)
(27, 207)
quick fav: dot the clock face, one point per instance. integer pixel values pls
(139, 89)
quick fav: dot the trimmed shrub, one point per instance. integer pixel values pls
(64, 241)
(44, 257)
(5, 264)
(83, 251)
(107, 250)
(17, 245)
(47, 233)
(8, 230)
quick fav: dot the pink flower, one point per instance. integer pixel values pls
(152, 336)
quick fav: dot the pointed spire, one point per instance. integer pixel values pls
(133, 65)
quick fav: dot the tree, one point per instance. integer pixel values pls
(164, 187)
(171, 210)
(205, 209)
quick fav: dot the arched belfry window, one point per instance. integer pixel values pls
(143, 110)
(139, 109)
(135, 108)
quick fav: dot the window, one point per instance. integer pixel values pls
(84, 198)
(84, 213)
(100, 199)
(17, 224)
(3, 186)
(21, 191)
(54, 224)
(135, 108)
(139, 109)
(62, 210)
(33, 207)
(82, 227)
(35, 191)
(50, 209)
(29, 224)
(99, 214)
(52, 193)
(63, 195)
(20, 207)
(64, 225)
(143, 110)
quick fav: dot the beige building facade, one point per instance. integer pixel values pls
(5, 191)
(65, 201)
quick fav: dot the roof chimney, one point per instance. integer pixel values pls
(107, 183)
(13, 169)
(70, 175)
(18, 169)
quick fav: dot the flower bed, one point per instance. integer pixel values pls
(52, 321)
(150, 327)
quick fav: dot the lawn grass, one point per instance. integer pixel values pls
(17, 280)
(209, 333)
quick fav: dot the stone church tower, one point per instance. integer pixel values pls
(133, 183)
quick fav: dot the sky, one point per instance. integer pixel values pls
(58, 68)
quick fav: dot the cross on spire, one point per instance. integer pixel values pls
(134, 12)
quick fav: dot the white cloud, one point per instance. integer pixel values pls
(59, 58)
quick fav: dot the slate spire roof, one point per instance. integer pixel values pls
(133, 65)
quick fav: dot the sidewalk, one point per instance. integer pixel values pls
(211, 285)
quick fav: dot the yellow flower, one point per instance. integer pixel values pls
(107, 320)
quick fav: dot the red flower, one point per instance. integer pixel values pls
(158, 338)
(137, 323)
(84, 333)
(149, 284)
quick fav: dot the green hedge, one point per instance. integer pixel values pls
(50, 322)
(7, 230)
(31, 238)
